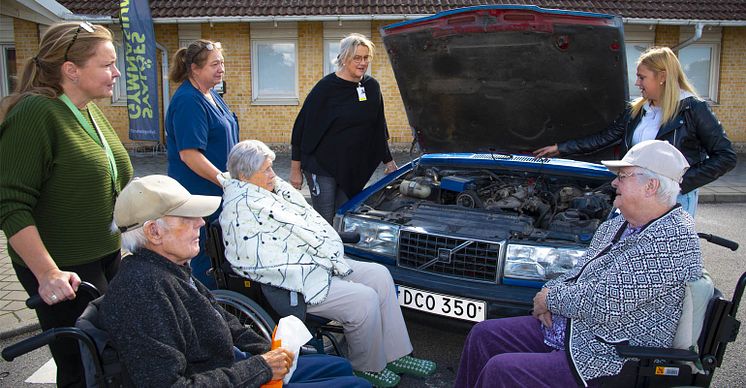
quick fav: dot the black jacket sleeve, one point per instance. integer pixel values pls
(721, 157)
(612, 135)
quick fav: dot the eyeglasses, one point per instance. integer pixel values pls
(208, 46)
(213, 46)
(360, 58)
(84, 25)
(622, 177)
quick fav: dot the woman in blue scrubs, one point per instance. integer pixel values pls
(200, 130)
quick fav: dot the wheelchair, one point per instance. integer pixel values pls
(671, 367)
(260, 305)
(100, 359)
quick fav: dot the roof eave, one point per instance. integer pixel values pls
(685, 22)
(289, 18)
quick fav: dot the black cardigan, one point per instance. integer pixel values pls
(169, 331)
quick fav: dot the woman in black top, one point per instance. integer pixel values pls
(340, 135)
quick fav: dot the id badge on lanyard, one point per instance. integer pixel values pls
(361, 92)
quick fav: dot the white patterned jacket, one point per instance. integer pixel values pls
(277, 238)
(626, 291)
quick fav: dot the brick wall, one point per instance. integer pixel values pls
(666, 35)
(396, 116)
(26, 35)
(731, 108)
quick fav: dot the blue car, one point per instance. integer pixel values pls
(473, 227)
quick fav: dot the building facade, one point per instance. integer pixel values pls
(275, 54)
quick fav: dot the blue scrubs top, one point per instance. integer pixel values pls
(192, 122)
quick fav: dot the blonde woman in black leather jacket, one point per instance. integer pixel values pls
(668, 109)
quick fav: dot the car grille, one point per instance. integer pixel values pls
(467, 259)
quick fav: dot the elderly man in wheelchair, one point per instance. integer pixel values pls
(273, 236)
(627, 289)
(167, 328)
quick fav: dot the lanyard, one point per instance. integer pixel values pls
(97, 137)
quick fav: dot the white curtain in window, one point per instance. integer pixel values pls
(276, 69)
(634, 49)
(697, 62)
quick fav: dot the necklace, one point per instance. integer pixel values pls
(206, 93)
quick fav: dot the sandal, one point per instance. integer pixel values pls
(412, 366)
(382, 379)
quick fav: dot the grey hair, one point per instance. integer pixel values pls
(135, 239)
(348, 45)
(668, 189)
(247, 157)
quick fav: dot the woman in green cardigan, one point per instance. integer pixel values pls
(62, 168)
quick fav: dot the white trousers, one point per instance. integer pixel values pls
(365, 303)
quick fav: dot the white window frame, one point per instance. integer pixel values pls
(6, 43)
(4, 86)
(640, 36)
(188, 33)
(281, 33)
(119, 93)
(335, 31)
(711, 39)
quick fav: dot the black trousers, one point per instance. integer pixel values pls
(66, 353)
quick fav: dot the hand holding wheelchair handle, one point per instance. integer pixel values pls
(51, 335)
(36, 300)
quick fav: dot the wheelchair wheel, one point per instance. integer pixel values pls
(248, 312)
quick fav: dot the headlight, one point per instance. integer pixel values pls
(539, 263)
(375, 236)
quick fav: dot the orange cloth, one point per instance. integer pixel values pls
(275, 344)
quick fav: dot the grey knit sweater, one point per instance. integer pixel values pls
(169, 331)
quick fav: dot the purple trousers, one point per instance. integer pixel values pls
(510, 352)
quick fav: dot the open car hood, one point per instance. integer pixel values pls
(507, 78)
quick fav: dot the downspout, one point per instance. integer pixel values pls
(164, 71)
(697, 36)
(165, 88)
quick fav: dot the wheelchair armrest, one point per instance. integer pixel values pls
(646, 352)
(349, 237)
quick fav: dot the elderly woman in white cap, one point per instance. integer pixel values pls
(166, 327)
(273, 236)
(628, 288)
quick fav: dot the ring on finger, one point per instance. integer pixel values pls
(53, 297)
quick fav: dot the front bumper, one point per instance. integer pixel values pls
(502, 300)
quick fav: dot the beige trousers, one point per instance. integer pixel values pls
(365, 303)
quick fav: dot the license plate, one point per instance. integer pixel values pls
(446, 305)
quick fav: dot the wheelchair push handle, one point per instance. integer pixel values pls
(732, 245)
(35, 301)
(29, 344)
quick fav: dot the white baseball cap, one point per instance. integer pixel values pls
(155, 196)
(657, 156)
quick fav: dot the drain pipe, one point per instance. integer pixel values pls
(165, 88)
(697, 36)
(164, 76)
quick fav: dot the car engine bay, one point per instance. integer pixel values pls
(494, 204)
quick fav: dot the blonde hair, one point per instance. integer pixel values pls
(658, 59)
(348, 45)
(195, 53)
(42, 74)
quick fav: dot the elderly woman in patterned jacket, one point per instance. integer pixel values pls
(273, 236)
(628, 288)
